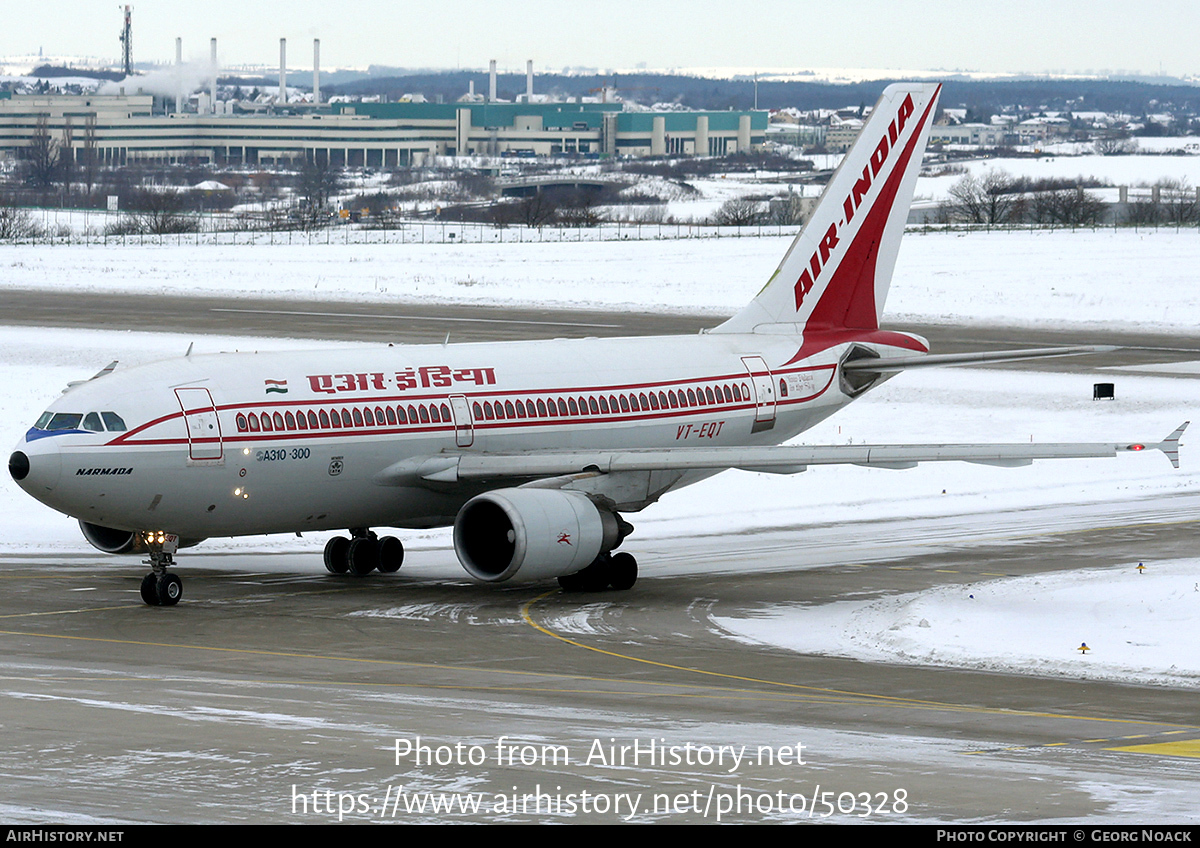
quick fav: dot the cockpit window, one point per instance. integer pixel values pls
(113, 422)
(64, 421)
(93, 422)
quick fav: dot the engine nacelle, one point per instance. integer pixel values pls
(113, 541)
(538, 533)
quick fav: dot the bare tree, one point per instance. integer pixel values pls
(1177, 201)
(17, 224)
(318, 183)
(154, 213)
(787, 210)
(42, 155)
(66, 155)
(89, 152)
(537, 209)
(579, 208)
(1072, 207)
(1116, 145)
(738, 212)
(991, 198)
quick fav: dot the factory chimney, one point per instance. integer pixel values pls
(178, 75)
(283, 70)
(529, 80)
(212, 103)
(316, 72)
(492, 81)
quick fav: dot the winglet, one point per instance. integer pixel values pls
(1170, 445)
(103, 372)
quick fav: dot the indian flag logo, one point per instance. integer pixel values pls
(278, 387)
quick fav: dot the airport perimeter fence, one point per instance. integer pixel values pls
(58, 227)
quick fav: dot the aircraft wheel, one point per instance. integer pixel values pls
(391, 555)
(150, 589)
(622, 572)
(594, 578)
(170, 589)
(364, 556)
(337, 555)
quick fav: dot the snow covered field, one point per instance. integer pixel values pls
(1080, 280)
(1138, 627)
(1085, 279)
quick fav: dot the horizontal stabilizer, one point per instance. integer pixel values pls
(902, 363)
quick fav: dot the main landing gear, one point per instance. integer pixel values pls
(616, 571)
(363, 553)
(161, 588)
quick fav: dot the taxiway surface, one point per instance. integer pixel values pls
(278, 693)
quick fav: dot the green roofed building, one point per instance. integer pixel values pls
(127, 128)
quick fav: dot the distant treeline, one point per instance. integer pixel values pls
(51, 71)
(981, 97)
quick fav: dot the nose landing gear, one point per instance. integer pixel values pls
(161, 588)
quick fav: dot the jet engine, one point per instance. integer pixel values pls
(538, 533)
(113, 541)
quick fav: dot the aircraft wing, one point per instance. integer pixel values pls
(781, 459)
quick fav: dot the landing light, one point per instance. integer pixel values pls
(240, 493)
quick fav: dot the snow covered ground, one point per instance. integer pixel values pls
(1086, 279)
(1080, 280)
(1138, 627)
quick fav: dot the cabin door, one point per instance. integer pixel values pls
(200, 419)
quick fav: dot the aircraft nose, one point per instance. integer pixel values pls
(18, 466)
(36, 466)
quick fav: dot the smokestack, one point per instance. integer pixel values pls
(178, 75)
(316, 72)
(529, 80)
(213, 90)
(492, 81)
(283, 70)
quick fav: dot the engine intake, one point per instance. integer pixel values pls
(113, 541)
(538, 533)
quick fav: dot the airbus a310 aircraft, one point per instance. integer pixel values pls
(531, 450)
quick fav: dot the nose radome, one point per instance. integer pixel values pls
(18, 466)
(36, 466)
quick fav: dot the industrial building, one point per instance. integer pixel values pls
(127, 128)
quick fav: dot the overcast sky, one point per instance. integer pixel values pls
(980, 35)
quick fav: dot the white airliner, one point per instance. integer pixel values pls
(531, 450)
